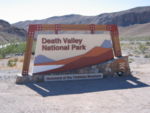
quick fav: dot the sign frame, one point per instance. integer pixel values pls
(33, 28)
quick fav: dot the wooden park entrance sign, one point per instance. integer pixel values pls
(70, 55)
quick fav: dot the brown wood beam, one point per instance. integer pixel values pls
(115, 40)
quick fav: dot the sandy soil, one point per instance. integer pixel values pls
(130, 94)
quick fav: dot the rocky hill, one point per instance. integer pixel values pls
(10, 33)
(137, 31)
(139, 15)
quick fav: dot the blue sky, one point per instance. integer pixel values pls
(19, 10)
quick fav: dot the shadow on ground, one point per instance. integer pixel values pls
(85, 86)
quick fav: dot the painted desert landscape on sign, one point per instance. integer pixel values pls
(94, 56)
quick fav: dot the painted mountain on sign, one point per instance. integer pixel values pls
(106, 44)
(42, 59)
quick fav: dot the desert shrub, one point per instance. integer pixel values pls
(12, 49)
(131, 60)
(136, 51)
(2, 53)
(142, 48)
(1, 56)
(144, 38)
(148, 43)
(132, 43)
(12, 62)
(147, 56)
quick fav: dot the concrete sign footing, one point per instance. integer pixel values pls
(112, 68)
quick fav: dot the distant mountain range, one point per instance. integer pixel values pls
(132, 23)
(137, 31)
(10, 33)
(138, 15)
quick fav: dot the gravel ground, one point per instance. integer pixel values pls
(129, 94)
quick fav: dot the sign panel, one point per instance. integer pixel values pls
(66, 52)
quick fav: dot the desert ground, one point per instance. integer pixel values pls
(126, 94)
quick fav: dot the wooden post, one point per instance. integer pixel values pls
(92, 28)
(57, 28)
(28, 52)
(115, 40)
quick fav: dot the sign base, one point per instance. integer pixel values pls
(112, 68)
